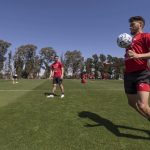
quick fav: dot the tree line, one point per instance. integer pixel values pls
(26, 62)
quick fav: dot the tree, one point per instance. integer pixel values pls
(37, 67)
(89, 65)
(73, 62)
(24, 59)
(46, 57)
(3, 50)
(96, 65)
(116, 67)
(10, 62)
(102, 58)
(109, 59)
(8, 66)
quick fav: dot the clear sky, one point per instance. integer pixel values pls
(90, 26)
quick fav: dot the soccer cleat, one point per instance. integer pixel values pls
(50, 96)
(62, 96)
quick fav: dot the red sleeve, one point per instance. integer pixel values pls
(61, 65)
(147, 40)
(51, 66)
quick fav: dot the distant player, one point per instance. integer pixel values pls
(15, 78)
(137, 71)
(83, 77)
(56, 74)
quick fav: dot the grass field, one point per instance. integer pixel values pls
(91, 117)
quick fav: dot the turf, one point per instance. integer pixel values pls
(91, 117)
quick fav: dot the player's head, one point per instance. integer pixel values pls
(56, 58)
(137, 24)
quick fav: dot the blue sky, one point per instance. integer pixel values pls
(90, 26)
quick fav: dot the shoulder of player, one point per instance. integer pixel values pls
(145, 35)
(59, 62)
(142, 36)
(53, 64)
(56, 63)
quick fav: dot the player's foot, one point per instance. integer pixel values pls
(62, 96)
(50, 96)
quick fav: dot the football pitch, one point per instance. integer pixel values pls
(91, 117)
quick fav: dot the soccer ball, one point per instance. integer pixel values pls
(124, 40)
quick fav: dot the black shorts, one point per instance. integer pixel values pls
(14, 77)
(131, 80)
(57, 80)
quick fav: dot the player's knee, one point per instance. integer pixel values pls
(54, 85)
(60, 85)
(142, 106)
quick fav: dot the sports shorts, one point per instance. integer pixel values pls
(57, 80)
(137, 81)
(14, 77)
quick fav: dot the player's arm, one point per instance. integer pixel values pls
(132, 54)
(51, 73)
(62, 70)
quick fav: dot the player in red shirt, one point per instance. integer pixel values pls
(56, 73)
(83, 77)
(137, 73)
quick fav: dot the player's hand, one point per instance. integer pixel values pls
(132, 54)
(61, 77)
(50, 78)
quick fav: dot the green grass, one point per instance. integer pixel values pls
(91, 117)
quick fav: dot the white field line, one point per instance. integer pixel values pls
(20, 90)
(66, 90)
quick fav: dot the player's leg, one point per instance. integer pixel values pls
(53, 91)
(13, 80)
(131, 92)
(133, 102)
(17, 80)
(143, 104)
(53, 88)
(61, 87)
(55, 82)
(143, 89)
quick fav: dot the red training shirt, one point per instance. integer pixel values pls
(57, 68)
(140, 44)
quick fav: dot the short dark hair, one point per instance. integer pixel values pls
(56, 56)
(137, 18)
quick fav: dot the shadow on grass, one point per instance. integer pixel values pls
(49, 93)
(100, 121)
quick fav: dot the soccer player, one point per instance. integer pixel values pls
(56, 73)
(83, 77)
(137, 72)
(15, 78)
